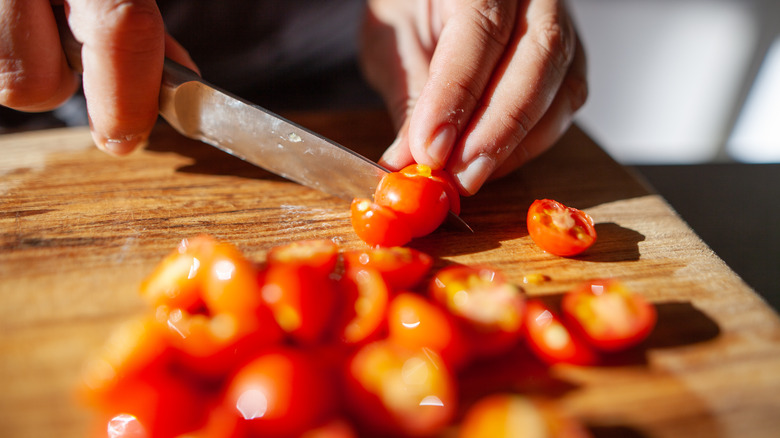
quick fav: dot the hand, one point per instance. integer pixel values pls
(124, 44)
(478, 87)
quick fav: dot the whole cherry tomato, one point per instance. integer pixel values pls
(551, 339)
(401, 267)
(558, 229)
(418, 200)
(441, 177)
(378, 225)
(488, 308)
(610, 316)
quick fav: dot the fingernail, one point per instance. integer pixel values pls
(121, 146)
(475, 173)
(441, 143)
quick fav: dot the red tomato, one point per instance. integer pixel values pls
(512, 415)
(551, 340)
(610, 316)
(365, 296)
(283, 392)
(377, 225)
(302, 300)
(419, 201)
(337, 428)
(558, 229)
(393, 390)
(415, 323)
(489, 308)
(440, 176)
(401, 267)
(230, 283)
(320, 254)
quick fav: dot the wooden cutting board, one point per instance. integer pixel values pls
(79, 230)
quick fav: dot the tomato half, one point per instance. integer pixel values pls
(551, 339)
(558, 229)
(419, 201)
(318, 254)
(488, 308)
(401, 267)
(441, 177)
(363, 305)
(609, 315)
(378, 225)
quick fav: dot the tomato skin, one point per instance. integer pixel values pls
(551, 340)
(558, 229)
(608, 315)
(282, 392)
(489, 310)
(365, 295)
(415, 323)
(441, 177)
(318, 254)
(401, 267)
(378, 225)
(418, 200)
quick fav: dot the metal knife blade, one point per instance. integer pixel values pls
(202, 111)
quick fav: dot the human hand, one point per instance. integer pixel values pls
(477, 87)
(123, 47)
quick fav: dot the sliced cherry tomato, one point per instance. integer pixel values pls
(401, 267)
(318, 254)
(440, 176)
(419, 201)
(283, 392)
(337, 428)
(393, 390)
(364, 304)
(377, 225)
(489, 309)
(610, 316)
(414, 322)
(511, 415)
(551, 339)
(558, 229)
(302, 300)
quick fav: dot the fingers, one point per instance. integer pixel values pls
(522, 89)
(471, 43)
(122, 54)
(34, 74)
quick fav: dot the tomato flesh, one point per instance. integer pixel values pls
(558, 229)
(551, 339)
(401, 267)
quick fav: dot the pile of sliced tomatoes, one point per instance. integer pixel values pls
(319, 342)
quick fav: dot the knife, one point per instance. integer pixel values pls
(204, 112)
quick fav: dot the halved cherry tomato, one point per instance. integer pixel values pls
(318, 254)
(377, 225)
(401, 267)
(489, 309)
(558, 229)
(414, 322)
(336, 428)
(364, 303)
(506, 415)
(418, 200)
(609, 315)
(442, 178)
(394, 390)
(551, 339)
(283, 392)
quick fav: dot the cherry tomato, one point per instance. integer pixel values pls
(377, 225)
(610, 316)
(365, 296)
(512, 415)
(558, 229)
(419, 201)
(283, 392)
(391, 389)
(302, 300)
(489, 308)
(441, 177)
(318, 254)
(551, 340)
(415, 323)
(401, 267)
(337, 428)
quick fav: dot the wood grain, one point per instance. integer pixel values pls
(79, 230)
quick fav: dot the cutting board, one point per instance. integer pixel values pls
(79, 230)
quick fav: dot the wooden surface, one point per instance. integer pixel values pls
(79, 230)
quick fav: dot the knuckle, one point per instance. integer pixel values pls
(556, 40)
(576, 85)
(492, 18)
(132, 26)
(517, 123)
